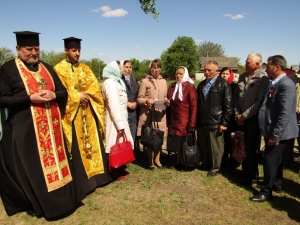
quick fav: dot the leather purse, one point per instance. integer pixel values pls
(190, 155)
(151, 136)
(121, 153)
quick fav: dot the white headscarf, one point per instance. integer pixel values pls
(112, 71)
(178, 87)
(122, 65)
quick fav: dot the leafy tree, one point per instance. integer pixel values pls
(208, 48)
(143, 69)
(5, 55)
(148, 6)
(183, 52)
(241, 68)
(52, 57)
(96, 66)
(135, 64)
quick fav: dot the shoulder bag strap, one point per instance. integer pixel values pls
(149, 118)
(155, 118)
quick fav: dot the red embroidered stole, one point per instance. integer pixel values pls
(48, 130)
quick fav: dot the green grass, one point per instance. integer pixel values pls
(174, 197)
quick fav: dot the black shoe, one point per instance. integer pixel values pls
(211, 173)
(178, 166)
(150, 167)
(277, 189)
(30, 213)
(260, 198)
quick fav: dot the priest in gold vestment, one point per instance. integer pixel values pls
(83, 120)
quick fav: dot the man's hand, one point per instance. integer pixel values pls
(272, 143)
(84, 98)
(221, 129)
(39, 97)
(48, 94)
(240, 119)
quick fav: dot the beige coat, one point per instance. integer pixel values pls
(156, 89)
(116, 112)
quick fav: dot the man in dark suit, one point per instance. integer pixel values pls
(277, 122)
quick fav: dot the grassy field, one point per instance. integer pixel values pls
(167, 196)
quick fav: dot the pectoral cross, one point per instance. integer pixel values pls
(42, 84)
(80, 85)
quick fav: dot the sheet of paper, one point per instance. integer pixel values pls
(159, 104)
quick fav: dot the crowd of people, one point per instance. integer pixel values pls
(58, 125)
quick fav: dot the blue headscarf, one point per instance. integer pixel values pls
(112, 70)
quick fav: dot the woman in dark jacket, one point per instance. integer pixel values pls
(182, 112)
(132, 88)
(227, 74)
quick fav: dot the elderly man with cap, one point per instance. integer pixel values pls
(34, 169)
(83, 120)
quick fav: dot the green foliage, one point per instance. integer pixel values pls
(96, 66)
(183, 52)
(143, 70)
(5, 55)
(148, 6)
(241, 68)
(135, 64)
(52, 57)
(211, 49)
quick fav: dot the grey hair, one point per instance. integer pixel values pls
(214, 63)
(256, 58)
(278, 60)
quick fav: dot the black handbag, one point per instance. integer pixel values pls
(151, 136)
(190, 155)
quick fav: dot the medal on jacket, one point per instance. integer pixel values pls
(271, 90)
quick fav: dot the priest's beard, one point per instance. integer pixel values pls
(33, 60)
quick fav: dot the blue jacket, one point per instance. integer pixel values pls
(277, 116)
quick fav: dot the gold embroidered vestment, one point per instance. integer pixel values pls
(80, 78)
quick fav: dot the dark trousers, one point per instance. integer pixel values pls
(288, 153)
(273, 169)
(211, 145)
(252, 146)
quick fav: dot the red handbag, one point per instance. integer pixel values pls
(121, 153)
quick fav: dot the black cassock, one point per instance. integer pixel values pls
(22, 182)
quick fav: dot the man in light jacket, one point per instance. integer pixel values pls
(248, 96)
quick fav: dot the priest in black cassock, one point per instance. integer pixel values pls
(35, 175)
